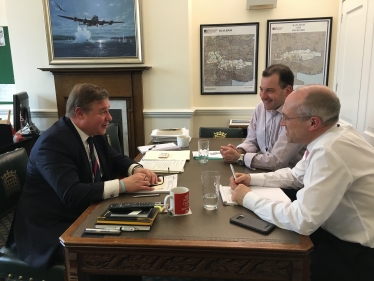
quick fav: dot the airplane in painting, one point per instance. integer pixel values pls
(92, 22)
(58, 6)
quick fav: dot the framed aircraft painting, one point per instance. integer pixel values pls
(93, 32)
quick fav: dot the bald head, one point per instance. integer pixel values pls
(316, 100)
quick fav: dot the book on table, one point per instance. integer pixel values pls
(108, 220)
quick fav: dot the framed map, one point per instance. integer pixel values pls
(229, 58)
(303, 45)
(96, 31)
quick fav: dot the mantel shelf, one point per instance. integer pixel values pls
(95, 69)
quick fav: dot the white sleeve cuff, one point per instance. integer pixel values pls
(111, 189)
(257, 179)
(250, 199)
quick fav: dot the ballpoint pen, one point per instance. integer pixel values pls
(232, 171)
(152, 147)
(146, 195)
(102, 230)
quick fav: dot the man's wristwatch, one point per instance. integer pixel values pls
(241, 160)
(136, 167)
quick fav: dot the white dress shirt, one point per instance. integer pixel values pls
(266, 142)
(338, 192)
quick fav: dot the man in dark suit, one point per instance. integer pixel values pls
(60, 181)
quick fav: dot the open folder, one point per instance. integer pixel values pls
(164, 166)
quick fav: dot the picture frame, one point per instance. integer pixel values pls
(303, 45)
(229, 58)
(93, 32)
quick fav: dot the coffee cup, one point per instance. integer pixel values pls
(179, 201)
(183, 141)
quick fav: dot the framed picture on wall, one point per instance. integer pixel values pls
(303, 45)
(93, 32)
(229, 58)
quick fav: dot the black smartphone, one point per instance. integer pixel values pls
(252, 222)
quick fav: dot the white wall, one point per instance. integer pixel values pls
(171, 46)
(3, 17)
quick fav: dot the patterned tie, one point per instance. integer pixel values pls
(95, 164)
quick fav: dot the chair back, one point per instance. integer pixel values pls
(13, 166)
(220, 132)
(113, 137)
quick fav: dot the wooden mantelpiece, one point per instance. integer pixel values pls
(122, 83)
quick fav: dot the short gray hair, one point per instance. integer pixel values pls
(322, 102)
(83, 95)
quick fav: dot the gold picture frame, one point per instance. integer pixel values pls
(100, 32)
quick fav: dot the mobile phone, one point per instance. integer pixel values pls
(251, 221)
(163, 155)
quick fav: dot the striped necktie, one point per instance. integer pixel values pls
(95, 164)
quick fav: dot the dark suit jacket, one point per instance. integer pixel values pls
(58, 189)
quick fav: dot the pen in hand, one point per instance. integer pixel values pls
(232, 171)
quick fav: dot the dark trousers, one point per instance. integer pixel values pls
(334, 259)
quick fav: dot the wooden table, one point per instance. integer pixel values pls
(200, 245)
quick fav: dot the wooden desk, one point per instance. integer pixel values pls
(200, 245)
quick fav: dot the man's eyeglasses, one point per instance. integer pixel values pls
(285, 118)
(160, 182)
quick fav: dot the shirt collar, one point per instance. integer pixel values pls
(82, 134)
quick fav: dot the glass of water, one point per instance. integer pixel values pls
(203, 148)
(210, 181)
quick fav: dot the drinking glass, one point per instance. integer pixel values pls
(210, 181)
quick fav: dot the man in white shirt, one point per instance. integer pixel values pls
(335, 179)
(266, 146)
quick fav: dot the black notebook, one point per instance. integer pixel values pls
(142, 212)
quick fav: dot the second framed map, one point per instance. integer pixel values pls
(229, 58)
(303, 45)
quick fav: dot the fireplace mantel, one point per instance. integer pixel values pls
(122, 83)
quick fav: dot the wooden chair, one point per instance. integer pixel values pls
(13, 166)
(220, 132)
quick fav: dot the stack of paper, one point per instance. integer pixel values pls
(164, 135)
(272, 193)
(162, 146)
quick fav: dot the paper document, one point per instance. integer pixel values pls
(272, 193)
(172, 155)
(212, 155)
(164, 166)
(170, 182)
(162, 146)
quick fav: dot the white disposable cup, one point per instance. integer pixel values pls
(210, 181)
(203, 149)
(183, 141)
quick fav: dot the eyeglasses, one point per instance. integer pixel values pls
(285, 118)
(160, 182)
